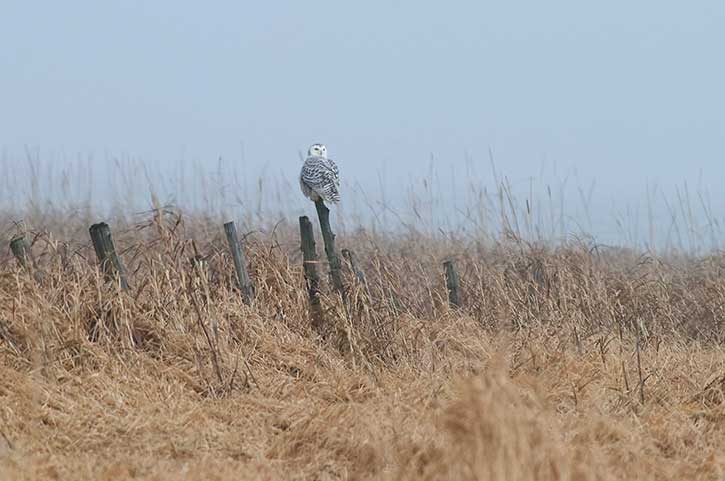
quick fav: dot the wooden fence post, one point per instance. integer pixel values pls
(106, 253)
(240, 263)
(359, 274)
(312, 277)
(323, 214)
(21, 250)
(454, 297)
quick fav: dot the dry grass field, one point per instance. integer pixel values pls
(575, 362)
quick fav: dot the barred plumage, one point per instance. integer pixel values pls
(320, 177)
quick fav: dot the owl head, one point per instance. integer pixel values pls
(317, 150)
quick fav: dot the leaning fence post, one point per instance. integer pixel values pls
(312, 277)
(323, 214)
(21, 250)
(106, 253)
(454, 297)
(240, 263)
(359, 274)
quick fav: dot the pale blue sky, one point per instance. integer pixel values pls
(624, 92)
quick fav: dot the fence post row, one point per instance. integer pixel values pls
(106, 253)
(310, 261)
(454, 297)
(113, 267)
(323, 214)
(240, 263)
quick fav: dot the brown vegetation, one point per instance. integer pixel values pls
(578, 362)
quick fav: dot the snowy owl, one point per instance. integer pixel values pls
(319, 178)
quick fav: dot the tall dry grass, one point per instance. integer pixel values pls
(564, 363)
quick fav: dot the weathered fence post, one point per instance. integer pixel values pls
(240, 263)
(323, 214)
(21, 250)
(312, 277)
(359, 274)
(106, 253)
(24, 255)
(454, 297)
